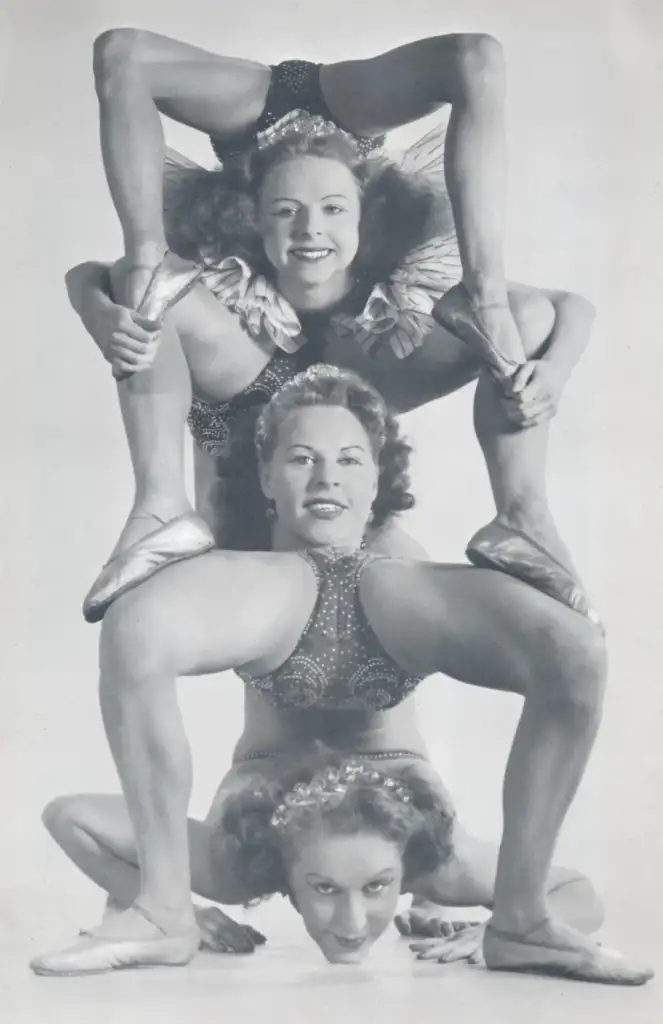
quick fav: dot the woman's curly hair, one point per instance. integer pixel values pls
(213, 214)
(422, 828)
(238, 498)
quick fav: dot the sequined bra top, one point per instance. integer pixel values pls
(339, 663)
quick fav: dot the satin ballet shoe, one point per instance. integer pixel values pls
(505, 951)
(184, 537)
(96, 953)
(456, 312)
(510, 551)
(172, 279)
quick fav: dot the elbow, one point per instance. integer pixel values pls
(114, 52)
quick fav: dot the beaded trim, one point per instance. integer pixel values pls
(329, 788)
(364, 755)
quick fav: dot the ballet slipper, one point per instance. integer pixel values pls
(507, 951)
(171, 280)
(510, 551)
(97, 953)
(457, 313)
(183, 537)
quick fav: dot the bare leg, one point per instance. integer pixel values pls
(486, 629)
(154, 406)
(468, 880)
(95, 832)
(411, 81)
(137, 75)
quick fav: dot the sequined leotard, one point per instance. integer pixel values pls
(339, 663)
(294, 85)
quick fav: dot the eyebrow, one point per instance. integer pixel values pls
(290, 199)
(309, 448)
(388, 871)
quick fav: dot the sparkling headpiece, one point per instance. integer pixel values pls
(329, 787)
(303, 124)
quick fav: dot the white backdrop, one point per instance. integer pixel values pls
(584, 213)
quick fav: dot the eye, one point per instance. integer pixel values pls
(301, 460)
(332, 209)
(324, 889)
(285, 212)
(350, 460)
(375, 888)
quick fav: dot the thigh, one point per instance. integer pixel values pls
(221, 610)
(223, 358)
(375, 95)
(477, 626)
(440, 366)
(106, 820)
(214, 94)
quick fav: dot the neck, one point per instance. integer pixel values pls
(284, 540)
(307, 296)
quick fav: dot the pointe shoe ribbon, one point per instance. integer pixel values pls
(458, 315)
(510, 551)
(506, 951)
(96, 953)
(184, 537)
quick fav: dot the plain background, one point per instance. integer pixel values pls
(584, 213)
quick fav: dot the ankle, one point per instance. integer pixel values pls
(486, 292)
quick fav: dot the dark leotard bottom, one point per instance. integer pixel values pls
(294, 85)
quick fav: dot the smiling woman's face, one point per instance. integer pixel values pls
(309, 212)
(346, 888)
(322, 477)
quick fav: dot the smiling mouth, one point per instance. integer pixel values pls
(325, 509)
(349, 943)
(311, 255)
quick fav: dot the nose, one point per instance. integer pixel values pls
(308, 223)
(325, 474)
(351, 917)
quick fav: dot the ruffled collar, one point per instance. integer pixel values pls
(397, 312)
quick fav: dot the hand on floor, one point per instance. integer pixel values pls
(465, 944)
(220, 934)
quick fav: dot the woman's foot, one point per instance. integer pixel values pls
(183, 537)
(555, 949)
(508, 549)
(124, 939)
(488, 328)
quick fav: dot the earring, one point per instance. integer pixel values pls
(271, 509)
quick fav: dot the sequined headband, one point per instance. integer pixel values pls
(303, 124)
(328, 789)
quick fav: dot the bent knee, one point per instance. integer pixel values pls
(480, 57)
(535, 315)
(135, 637)
(60, 814)
(115, 48)
(575, 667)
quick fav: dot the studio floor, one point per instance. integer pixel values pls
(286, 980)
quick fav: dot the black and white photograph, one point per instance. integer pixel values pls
(331, 554)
